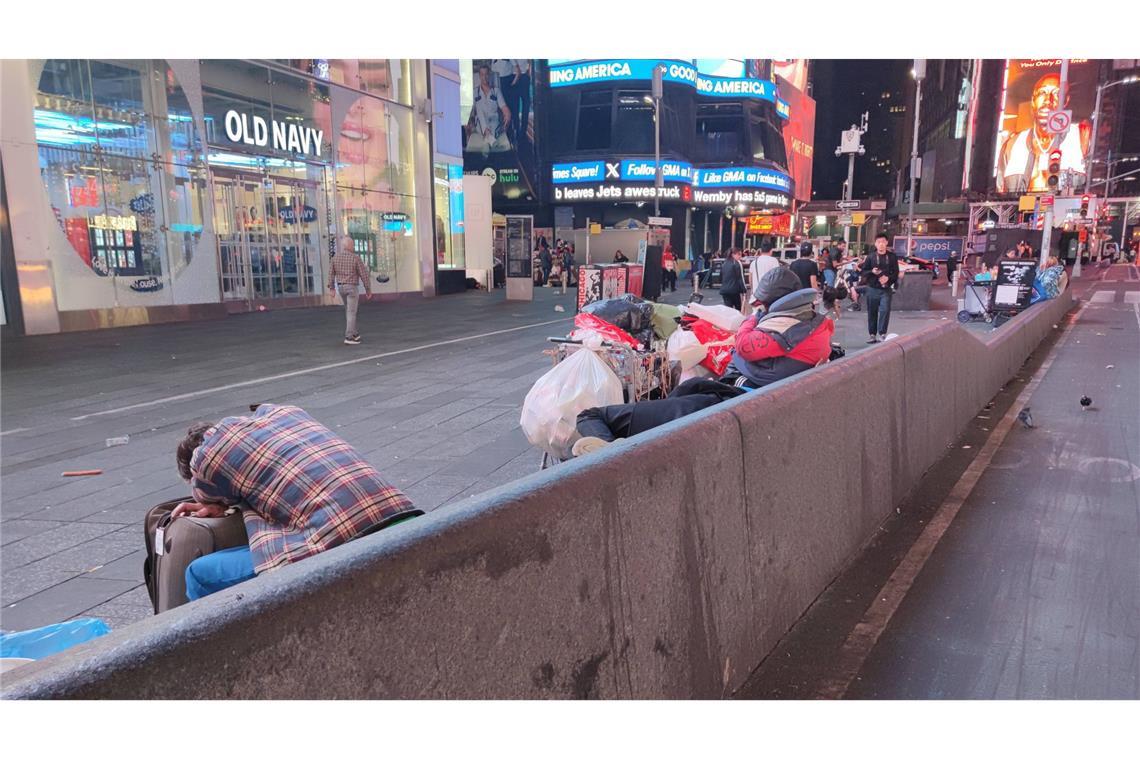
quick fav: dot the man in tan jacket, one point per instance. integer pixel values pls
(346, 270)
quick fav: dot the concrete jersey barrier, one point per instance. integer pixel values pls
(664, 566)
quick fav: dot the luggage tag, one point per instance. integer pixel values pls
(159, 543)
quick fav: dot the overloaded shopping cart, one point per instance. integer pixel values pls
(623, 350)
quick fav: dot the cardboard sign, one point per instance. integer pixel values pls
(1014, 285)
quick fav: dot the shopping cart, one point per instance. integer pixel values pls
(976, 298)
(644, 374)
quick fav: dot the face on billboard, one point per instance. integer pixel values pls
(1032, 94)
(498, 134)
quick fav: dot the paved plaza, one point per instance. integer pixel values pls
(432, 398)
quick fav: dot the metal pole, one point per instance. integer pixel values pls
(587, 241)
(920, 71)
(847, 194)
(657, 183)
(1092, 147)
(720, 234)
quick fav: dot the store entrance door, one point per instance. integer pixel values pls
(269, 236)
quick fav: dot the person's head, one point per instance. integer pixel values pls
(187, 445)
(775, 284)
(736, 254)
(347, 244)
(841, 245)
(881, 243)
(805, 251)
(1052, 261)
(1046, 99)
(1012, 253)
(485, 75)
(767, 246)
(619, 253)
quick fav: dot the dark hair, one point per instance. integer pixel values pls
(187, 445)
(882, 235)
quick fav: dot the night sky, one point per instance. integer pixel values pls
(843, 90)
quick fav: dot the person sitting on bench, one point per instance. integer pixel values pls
(301, 490)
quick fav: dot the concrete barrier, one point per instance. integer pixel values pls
(665, 566)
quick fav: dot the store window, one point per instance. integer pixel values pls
(382, 226)
(118, 154)
(633, 129)
(595, 119)
(720, 132)
(448, 191)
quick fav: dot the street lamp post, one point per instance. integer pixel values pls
(850, 145)
(919, 75)
(658, 178)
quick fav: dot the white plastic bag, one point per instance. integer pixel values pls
(724, 317)
(550, 411)
(684, 347)
(697, 371)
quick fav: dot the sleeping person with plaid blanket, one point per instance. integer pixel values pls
(301, 490)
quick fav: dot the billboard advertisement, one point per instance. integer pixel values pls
(799, 137)
(499, 131)
(1032, 92)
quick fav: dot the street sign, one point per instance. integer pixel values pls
(844, 205)
(1059, 121)
(595, 228)
(1027, 203)
(858, 219)
(661, 221)
(845, 219)
(1046, 200)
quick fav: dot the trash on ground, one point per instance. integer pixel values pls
(1110, 366)
(967, 446)
(119, 440)
(560, 307)
(81, 473)
(50, 639)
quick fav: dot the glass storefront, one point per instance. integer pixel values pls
(448, 187)
(147, 188)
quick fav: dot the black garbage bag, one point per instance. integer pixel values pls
(628, 312)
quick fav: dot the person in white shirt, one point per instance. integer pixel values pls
(760, 266)
(490, 118)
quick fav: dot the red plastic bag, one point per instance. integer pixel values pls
(605, 329)
(707, 333)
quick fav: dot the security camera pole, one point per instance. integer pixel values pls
(919, 75)
(658, 177)
(850, 146)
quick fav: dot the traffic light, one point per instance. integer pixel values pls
(1054, 178)
(1085, 205)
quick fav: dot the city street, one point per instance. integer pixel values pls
(432, 398)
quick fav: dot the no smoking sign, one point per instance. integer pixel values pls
(1059, 121)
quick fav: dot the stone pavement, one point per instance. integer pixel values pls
(432, 398)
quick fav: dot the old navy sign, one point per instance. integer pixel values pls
(287, 137)
(680, 72)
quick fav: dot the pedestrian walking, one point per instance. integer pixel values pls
(545, 260)
(567, 268)
(668, 270)
(880, 274)
(346, 270)
(806, 268)
(732, 280)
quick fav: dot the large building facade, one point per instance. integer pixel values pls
(573, 142)
(141, 191)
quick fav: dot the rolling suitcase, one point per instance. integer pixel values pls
(172, 545)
